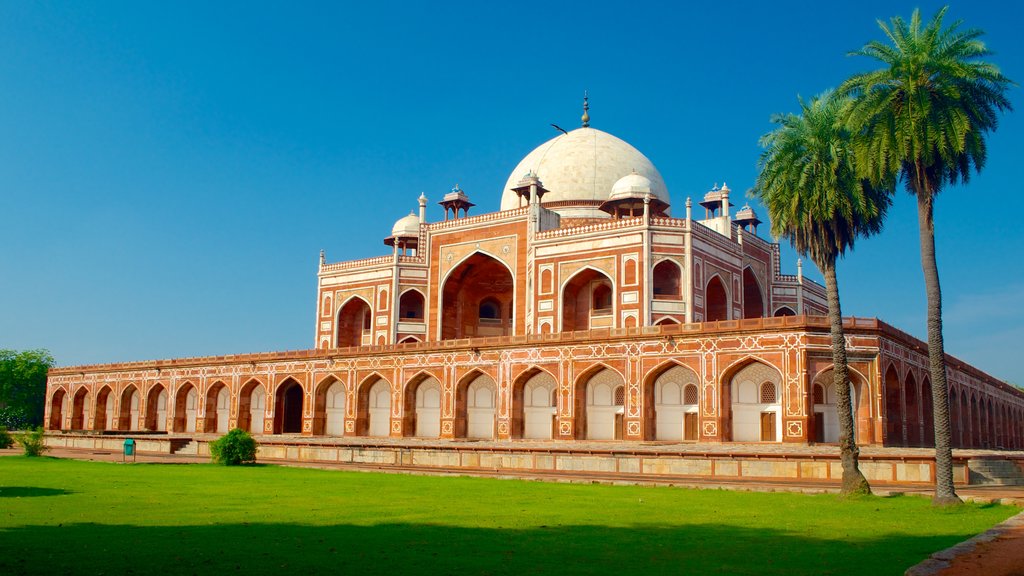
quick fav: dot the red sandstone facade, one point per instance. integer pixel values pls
(558, 318)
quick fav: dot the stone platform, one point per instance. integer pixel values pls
(629, 460)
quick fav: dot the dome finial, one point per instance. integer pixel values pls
(586, 107)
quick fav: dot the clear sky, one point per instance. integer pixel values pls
(170, 171)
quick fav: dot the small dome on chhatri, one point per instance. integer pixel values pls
(631, 186)
(407, 226)
(746, 213)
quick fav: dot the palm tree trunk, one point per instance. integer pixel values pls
(854, 481)
(944, 490)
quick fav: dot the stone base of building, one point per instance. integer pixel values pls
(630, 460)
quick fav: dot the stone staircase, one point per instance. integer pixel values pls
(995, 472)
(184, 446)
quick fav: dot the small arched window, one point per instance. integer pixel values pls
(667, 281)
(819, 394)
(490, 309)
(620, 396)
(690, 394)
(768, 393)
(410, 306)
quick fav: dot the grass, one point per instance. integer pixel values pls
(72, 517)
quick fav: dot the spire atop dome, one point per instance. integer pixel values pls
(586, 108)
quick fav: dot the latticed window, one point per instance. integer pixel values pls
(767, 393)
(819, 394)
(690, 394)
(620, 396)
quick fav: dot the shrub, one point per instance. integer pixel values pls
(5, 438)
(32, 442)
(235, 447)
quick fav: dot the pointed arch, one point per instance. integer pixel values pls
(476, 278)
(753, 295)
(534, 404)
(587, 300)
(128, 414)
(373, 406)
(252, 406)
(217, 408)
(597, 415)
(667, 414)
(666, 280)
(753, 418)
(103, 411)
(57, 400)
(329, 397)
(412, 305)
(289, 400)
(893, 408)
(156, 408)
(353, 322)
(911, 402)
(860, 404)
(716, 299)
(927, 413)
(186, 405)
(81, 409)
(784, 311)
(422, 398)
(476, 403)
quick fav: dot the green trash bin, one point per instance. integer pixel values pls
(129, 449)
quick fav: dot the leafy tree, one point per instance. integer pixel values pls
(235, 447)
(23, 387)
(815, 199)
(922, 118)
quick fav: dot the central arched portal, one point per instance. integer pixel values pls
(288, 408)
(588, 301)
(477, 299)
(354, 324)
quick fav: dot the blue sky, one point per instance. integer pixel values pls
(169, 172)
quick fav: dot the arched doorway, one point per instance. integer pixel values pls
(927, 414)
(156, 409)
(675, 404)
(535, 398)
(56, 421)
(893, 409)
(128, 418)
(605, 396)
(81, 409)
(824, 390)
(104, 410)
(288, 404)
(378, 407)
(218, 408)
(477, 299)
(913, 418)
(756, 404)
(588, 301)
(329, 408)
(186, 404)
(354, 324)
(716, 300)
(476, 399)
(753, 301)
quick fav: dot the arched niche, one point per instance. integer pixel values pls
(477, 279)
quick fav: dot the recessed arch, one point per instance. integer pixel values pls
(373, 406)
(911, 399)
(587, 300)
(252, 406)
(423, 396)
(289, 400)
(668, 414)
(476, 278)
(81, 409)
(825, 416)
(893, 408)
(753, 295)
(476, 403)
(353, 323)
(598, 417)
(756, 416)
(666, 321)
(217, 408)
(784, 311)
(103, 414)
(186, 407)
(156, 408)
(666, 280)
(411, 305)
(410, 340)
(534, 404)
(716, 300)
(329, 400)
(57, 400)
(128, 414)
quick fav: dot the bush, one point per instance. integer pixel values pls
(235, 447)
(32, 442)
(5, 438)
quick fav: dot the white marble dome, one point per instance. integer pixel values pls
(631, 186)
(582, 165)
(406, 226)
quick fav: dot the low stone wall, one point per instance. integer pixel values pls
(897, 468)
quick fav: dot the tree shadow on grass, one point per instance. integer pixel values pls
(31, 491)
(285, 549)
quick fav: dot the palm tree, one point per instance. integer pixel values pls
(816, 200)
(922, 118)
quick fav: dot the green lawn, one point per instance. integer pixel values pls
(71, 517)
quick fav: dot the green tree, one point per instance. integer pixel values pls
(815, 199)
(922, 119)
(23, 387)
